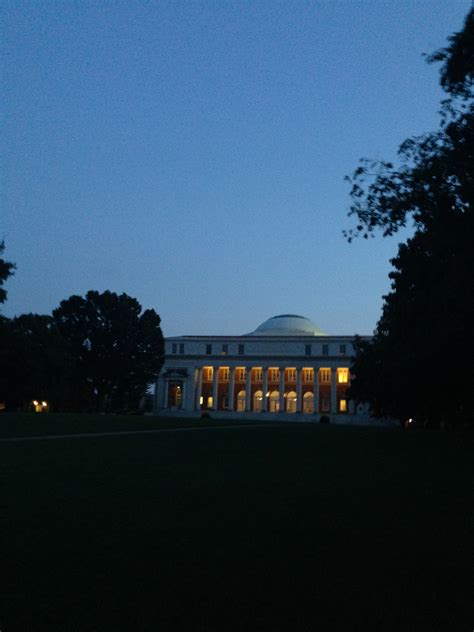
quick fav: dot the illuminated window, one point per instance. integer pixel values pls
(258, 375)
(181, 348)
(209, 373)
(325, 376)
(209, 401)
(208, 349)
(343, 376)
(307, 375)
(325, 349)
(174, 348)
(291, 375)
(201, 400)
(240, 375)
(225, 374)
(241, 349)
(343, 405)
(225, 349)
(241, 401)
(274, 375)
(307, 349)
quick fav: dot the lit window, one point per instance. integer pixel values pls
(241, 349)
(258, 375)
(291, 375)
(307, 349)
(225, 349)
(209, 401)
(210, 373)
(241, 375)
(225, 375)
(325, 376)
(201, 400)
(274, 375)
(181, 348)
(208, 349)
(343, 405)
(325, 349)
(307, 375)
(342, 348)
(174, 348)
(343, 376)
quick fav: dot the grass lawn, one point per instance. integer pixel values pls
(292, 527)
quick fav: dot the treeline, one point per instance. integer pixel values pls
(94, 353)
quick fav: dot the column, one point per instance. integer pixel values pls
(197, 403)
(282, 389)
(316, 389)
(215, 386)
(159, 393)
(264, 389)
(248, 387)
(299, 391)
(190, 388)
(231, 388)
(167, 391)
(351, 407)
(334, 391)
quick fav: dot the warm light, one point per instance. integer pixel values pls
(201, 400)
(268, 394)
(343, 405)
(35, 402)
(44, 403)
(343, 376)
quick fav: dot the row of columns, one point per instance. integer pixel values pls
(248, 383)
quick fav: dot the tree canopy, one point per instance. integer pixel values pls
(419, 362)
(6, 270)
(116, 349)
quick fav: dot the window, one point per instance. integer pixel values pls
(208, 349)
(240, 375)
(174, 348)
(325, 404)
(181, 348)
(307, 375)
(291, 375)
(343, 405)
(343, 376)
(209, 373)
(225, 349)
(342, 348)
(307, 349)
(325, 349)
(209, 401)
(325, 376)
(225, 374)
(241, 349)
(274, 375)
(258, 375)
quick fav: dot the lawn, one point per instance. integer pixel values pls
(292, 527)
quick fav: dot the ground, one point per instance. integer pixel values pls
(290, 527)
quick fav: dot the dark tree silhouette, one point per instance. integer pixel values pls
(6, 270)
(419, 361)
(116, 348)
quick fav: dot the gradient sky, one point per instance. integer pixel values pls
(192, 154)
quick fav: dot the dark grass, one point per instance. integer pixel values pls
(32, 424)
(286, 528)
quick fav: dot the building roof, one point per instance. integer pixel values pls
(287, 325)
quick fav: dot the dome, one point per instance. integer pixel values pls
(287, 325)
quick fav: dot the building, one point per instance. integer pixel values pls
(286, 367)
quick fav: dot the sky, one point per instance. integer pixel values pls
(193, 154)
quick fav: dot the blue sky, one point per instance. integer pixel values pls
(192, 154)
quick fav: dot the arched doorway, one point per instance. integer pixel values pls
(257, 401)
(241, 401)
(308, 403)
(274, 401)
(291, 402)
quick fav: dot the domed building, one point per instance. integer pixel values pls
(286, 367)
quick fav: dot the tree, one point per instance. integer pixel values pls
(116, 348)
(6, 270)
(419, 361)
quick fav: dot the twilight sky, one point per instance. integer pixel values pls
(192, 154)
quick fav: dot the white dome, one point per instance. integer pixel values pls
(287, 325)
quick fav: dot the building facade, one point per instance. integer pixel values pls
(286, 367)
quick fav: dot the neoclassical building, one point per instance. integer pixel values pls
(287, 366)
